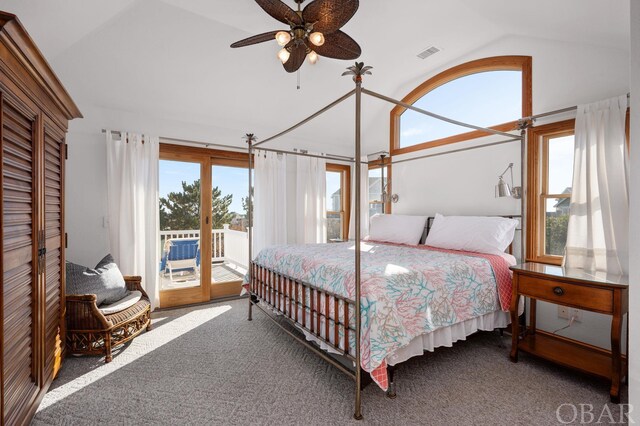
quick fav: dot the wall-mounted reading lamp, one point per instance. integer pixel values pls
(504, 190)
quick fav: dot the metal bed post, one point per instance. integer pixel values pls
(358, 71)
(358, 196)
(523, 197)
(382, 192)
(523, 125)
(250, 138)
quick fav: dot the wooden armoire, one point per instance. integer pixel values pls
(34, 112)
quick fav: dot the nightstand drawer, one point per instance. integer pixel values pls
(580, 296)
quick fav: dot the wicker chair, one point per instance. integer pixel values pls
(91, 332)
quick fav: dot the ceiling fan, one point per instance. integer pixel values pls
(313, 31)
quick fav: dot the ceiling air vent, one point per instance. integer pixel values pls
(428, 52)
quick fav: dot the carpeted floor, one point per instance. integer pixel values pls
(209, 365)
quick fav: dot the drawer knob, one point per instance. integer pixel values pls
(559, 291)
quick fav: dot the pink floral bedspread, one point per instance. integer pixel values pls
(406, 291)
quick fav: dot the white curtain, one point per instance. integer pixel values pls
(270, 200)
(598, 234)
(132, 192)
(311, 205)
(364, 200)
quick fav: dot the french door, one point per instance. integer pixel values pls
(203, 224)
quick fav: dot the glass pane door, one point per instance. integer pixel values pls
(229, 223)
(334, 206)
(180, 229)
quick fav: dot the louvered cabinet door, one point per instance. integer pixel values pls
(54, 241)
(20, 307)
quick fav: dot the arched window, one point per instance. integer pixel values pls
(491, 92)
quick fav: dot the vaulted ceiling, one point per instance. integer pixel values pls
(171, 58)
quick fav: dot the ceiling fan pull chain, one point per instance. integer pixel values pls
(298, 78)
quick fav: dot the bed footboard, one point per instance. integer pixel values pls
(327, 316)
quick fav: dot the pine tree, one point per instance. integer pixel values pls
(181, 210)
(220, 214)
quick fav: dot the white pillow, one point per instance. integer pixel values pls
(481, 234)
(396, 228)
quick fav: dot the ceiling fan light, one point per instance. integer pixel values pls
(313, 57)
(283, 55)
(316, 38)
(283, 37)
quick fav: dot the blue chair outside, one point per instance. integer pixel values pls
(181, 254)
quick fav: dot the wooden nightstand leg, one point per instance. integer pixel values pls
(626, 352)
(616, 358)
(515, 329)
(532, 316)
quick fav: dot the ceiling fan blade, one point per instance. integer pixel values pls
(280, 11)
(338, 45)
(296, 58)
(260, 38)
(329, 15)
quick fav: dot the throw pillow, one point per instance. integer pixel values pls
(105, 281)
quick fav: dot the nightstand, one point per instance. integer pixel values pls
(577, 289)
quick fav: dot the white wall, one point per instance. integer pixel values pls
(86, 197)
(634, 249)
(564, 74)
(457, 183)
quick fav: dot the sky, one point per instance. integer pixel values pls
(483, 99)
(333, 184)
(560, 163)
(230, 180)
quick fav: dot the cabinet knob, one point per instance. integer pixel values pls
(559, 291)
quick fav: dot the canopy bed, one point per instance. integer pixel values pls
(317, 291)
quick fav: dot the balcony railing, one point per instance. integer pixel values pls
(227, 245)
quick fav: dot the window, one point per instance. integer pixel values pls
(338, 202)
(551, 152)
(376, 204)
(491, 92)
(377, 186)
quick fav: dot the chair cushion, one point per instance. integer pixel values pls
(139, 308)
(105, 281)
(122, 304)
